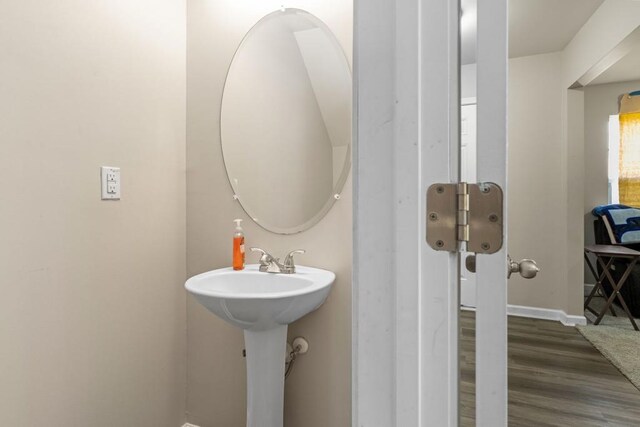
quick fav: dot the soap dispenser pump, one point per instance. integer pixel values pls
(238, 246)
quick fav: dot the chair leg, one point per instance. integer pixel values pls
(599, 278)
(616, 292)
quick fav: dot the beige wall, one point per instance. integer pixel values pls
(557, 247)
(534, 168)
(573, 154)
(612, 22)
(534, 173)
(608, 26)
(92, 313)
(318, 391)
(600, 102)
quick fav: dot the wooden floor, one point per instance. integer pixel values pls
(556, 378)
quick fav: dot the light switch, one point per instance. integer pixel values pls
(110, 183)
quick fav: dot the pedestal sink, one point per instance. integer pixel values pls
(262, 304)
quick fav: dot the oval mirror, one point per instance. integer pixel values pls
(286, 121)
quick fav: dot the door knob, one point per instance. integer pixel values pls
(470, 263)
(526, 267)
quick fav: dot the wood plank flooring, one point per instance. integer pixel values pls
(556, 378)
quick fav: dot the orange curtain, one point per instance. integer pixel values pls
(629, 162)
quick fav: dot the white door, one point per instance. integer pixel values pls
(468, 173)
(406, 298)
(491, 277)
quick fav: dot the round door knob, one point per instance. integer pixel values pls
(470, 263)
(526, 267)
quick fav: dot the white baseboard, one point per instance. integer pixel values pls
(546, 314)
(189, 425)
(541, 313)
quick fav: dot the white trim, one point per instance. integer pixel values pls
(469, 101)
(546, 314)
(374, 228)
(438, 161)
(541, 313)
(491, 153)
(406, 186)
(406, 104)
(190, 425)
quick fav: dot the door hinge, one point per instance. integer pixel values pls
(462, 212)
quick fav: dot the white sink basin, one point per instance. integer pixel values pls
(250, 299)
(262, 304)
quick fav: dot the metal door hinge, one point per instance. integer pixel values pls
(462, 212)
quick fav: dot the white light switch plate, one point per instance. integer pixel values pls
(110, 183)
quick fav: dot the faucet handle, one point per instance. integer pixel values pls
(288, 261)
(265, 258)
(262, 252)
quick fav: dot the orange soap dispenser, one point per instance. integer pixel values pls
(238, 246)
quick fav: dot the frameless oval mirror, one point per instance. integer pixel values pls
(286, 121)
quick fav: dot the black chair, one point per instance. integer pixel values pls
(631, 289)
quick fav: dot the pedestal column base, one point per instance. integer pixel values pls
(265, 376)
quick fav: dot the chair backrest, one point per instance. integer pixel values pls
(600, 232)
(603, 237)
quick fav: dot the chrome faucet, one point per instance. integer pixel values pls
(270, 264)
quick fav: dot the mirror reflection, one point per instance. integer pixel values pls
(286, 121)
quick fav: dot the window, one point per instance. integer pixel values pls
(629, 169)
(624, 146)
